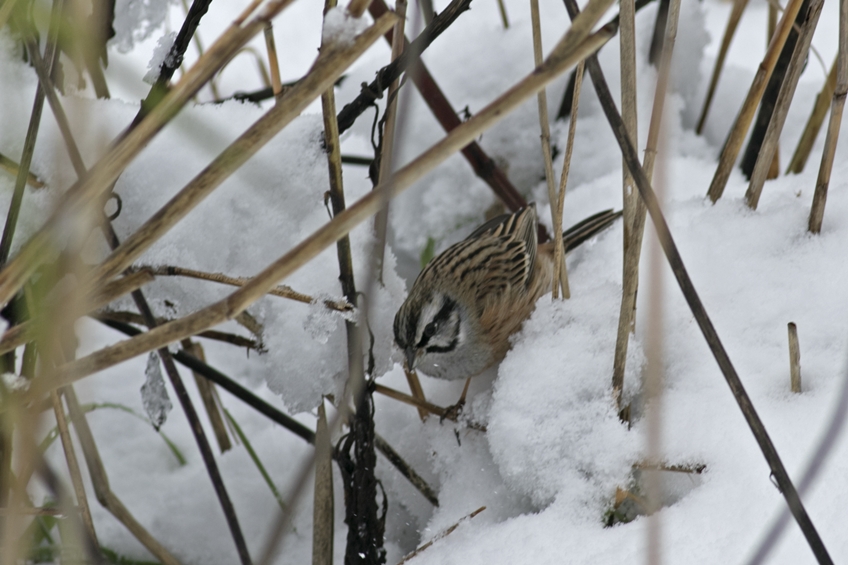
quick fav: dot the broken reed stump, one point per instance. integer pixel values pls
(794, 358)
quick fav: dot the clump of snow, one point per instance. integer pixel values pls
(340, 28)
(14, 382)
(136, 20)
(160, 55)
(154, 395)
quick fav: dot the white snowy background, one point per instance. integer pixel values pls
(554, 453)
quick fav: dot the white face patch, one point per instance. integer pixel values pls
(427, 314)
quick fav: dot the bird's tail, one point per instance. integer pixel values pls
(588, 228)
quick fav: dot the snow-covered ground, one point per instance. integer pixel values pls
(548, 467)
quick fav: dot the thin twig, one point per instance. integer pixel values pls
(575, 45)
(440, 536)
(282, 291)
(559, 250)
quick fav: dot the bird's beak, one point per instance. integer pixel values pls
(411, 354)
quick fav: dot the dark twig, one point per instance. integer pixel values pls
(174, 58)
(631, 157)
(225, 337)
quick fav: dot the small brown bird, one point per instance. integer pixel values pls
(465, 304)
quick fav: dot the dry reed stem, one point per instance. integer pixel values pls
(100, 482)
(413, 401)
(769, 147)
(794, 358)
(814, 123)
(101, 176)
(440, 536)
(559, 250)
(839, 95)
(633, 246)
(323, 519)
(73, 464)
(560, 280)
(23, 333)
(387, 142)
(746, 114)
(13, 167)
(629, 113)
(771, 25)
(416, 389)
(732, 23)
(327, 68)
(574, 46)
(273, 63)
(282, 291)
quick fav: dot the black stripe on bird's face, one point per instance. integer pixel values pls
(441, 333)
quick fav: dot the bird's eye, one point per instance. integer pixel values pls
(430, 329)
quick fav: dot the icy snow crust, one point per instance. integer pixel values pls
(554, 452)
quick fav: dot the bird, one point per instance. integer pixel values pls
(465, 304)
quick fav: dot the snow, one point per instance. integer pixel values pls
(340, 28)
(163, 47)
(554, 451)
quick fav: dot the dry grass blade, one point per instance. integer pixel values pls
(327, 69)
(567, 53)
(561, 274)
(768, 150)
(814, 123)
(405, 469)
(627, 50)
(282, 291)
(322, 508)
(633, 244)
(90, 188)
(416, 389)
(839, 95)
(732, 23)
(209, 398)
(273, 63)
(749, 106)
